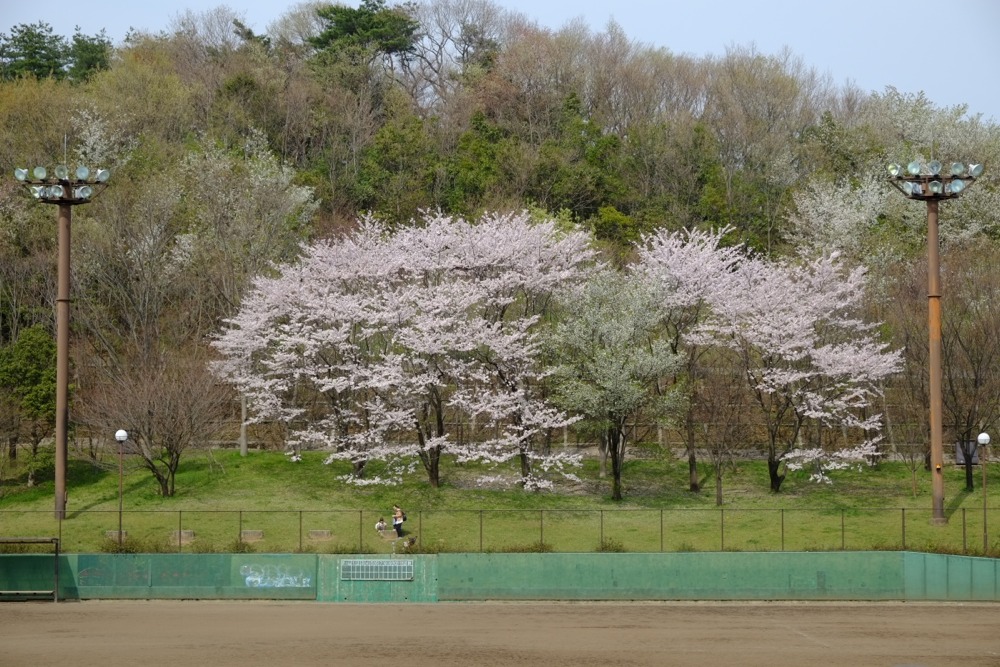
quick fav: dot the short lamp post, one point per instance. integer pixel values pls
(984, 441)
(926, 182)
(122, 437)
(64, 189)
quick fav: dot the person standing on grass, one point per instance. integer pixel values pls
(398, 517)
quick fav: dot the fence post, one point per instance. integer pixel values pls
(842, 538)
(239, 536)
(722, 530)
(661, 530)
(904, 528)
(965, 544)
(180, 528)
(602, 529)
(782, 528)
(541, 526)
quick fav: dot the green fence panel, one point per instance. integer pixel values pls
(684, 576)
(381, 581)
(511, 576)
(942, 577)
(198, 576)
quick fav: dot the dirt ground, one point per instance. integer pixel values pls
(706, 634)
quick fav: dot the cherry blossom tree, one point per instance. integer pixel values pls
(687, 267)
(809, 357)
(369, 342)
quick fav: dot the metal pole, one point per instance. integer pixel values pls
(934, 328)
(121, 446)
(982, 462)
(722, 530)
(62, 357)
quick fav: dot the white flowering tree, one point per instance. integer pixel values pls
(609, 357)
(687, 267)
(813, 365)
(809, 357)
(369, 343)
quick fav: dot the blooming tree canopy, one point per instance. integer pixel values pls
(807, 355)
(371, 343)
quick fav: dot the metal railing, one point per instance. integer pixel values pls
(498, 530)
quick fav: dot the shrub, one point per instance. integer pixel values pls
(609, 545)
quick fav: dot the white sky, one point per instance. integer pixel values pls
(950, 51)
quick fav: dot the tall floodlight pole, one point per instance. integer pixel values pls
(64, 189)
(925, 182)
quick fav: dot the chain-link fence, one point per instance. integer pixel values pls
(500, 530)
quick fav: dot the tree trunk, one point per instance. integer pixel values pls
(243, 425)
(969, 449)
(616, 450)
(718, 484)
(772, 470)
(694, 483)
(525, 464)
(430, 456)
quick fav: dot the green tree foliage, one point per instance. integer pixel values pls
(28, 393)
(88, 55)
(397, 170)
(371, 30)
(33, 50)
(28, 368)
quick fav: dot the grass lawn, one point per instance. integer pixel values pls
(304, 506)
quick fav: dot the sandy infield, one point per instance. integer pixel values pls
(707, 634)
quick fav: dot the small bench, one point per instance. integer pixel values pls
(29, 594)
(320, 535)
(251, 535)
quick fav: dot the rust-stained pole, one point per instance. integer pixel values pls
(62, 357)
(65, 189)
(934, 361)
(925, 182)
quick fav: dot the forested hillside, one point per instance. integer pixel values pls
(238, 157)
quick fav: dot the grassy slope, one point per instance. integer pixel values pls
(214, 489)
(267, 480)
